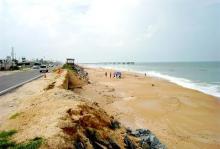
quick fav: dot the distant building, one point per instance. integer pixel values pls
(7, 64)
(70, 61)
(24, 62)
(8, 58)
(23, 59)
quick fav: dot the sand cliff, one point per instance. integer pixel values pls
(53, 109)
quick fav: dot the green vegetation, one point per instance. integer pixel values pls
(6, 143)
(54, 70)
(69, 67)
(31, 144)
(7, 134)
(14, 68)
(15, 115)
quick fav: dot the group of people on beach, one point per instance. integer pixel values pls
(116, 74)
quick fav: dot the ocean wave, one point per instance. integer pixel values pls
(211, 89)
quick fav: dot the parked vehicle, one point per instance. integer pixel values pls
(51, 65)
(43, 68)
(36, 67)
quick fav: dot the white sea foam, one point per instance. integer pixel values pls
(211, 89)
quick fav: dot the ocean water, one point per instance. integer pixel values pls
(201, 76)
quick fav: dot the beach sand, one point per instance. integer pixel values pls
(180, 117)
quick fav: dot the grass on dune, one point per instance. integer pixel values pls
(14, 115)
(7, 134)
(31, 144)
(7, 143)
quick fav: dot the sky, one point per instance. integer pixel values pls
(111, 30)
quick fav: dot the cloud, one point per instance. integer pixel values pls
(77, 27)
(102, 19)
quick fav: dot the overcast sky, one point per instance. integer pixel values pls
(111, 30)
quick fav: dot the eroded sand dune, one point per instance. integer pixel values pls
(54, 110)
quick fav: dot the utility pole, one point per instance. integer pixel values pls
(12, 53)
(12, 57)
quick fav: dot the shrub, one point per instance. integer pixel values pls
(7, 134)
(6, 143)
(69, 67)
(4, 139)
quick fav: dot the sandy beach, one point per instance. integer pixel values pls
(57, 63)
(180, 117)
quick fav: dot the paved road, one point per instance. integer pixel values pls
(14, 80)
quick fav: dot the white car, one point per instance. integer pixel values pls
(35, 67)
(43, 68)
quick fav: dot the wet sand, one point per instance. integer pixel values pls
(180, 117)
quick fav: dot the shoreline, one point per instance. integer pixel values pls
(166, 78)
(70, 119)
(180, 117)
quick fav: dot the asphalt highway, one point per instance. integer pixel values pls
(9, 82)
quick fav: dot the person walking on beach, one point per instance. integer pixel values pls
(106, 74)
(114, 75)
(110, 75)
